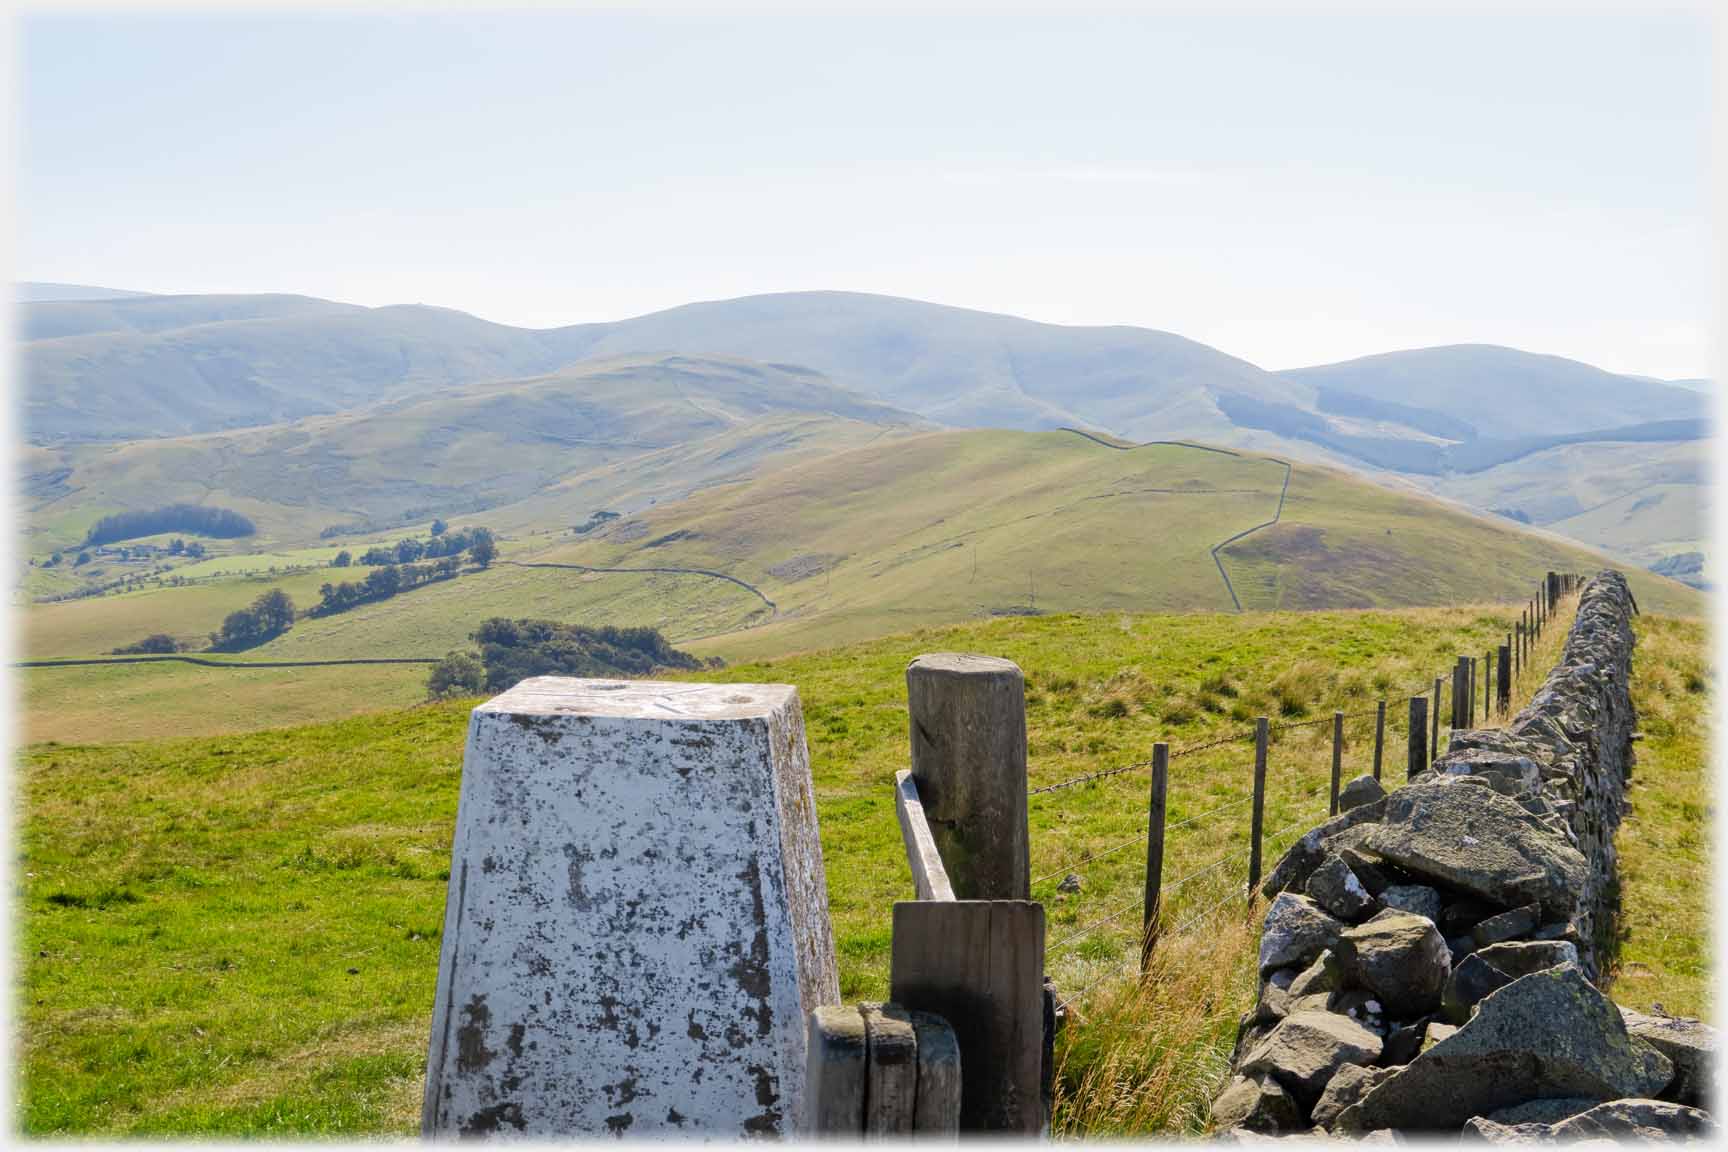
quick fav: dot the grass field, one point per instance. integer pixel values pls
(98, 624)
(238, 934)
(1665, 840)
(105, 704)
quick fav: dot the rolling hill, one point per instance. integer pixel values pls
(909, 530)
(462, 449)
(1639, 501)
(36, 291)
(284, 374)
(1491, 392)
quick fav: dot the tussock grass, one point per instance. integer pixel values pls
(1145, 1053)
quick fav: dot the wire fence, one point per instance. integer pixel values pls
(1207, 854)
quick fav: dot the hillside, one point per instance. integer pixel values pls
(1639, 501)
(951, 525)
(473, 447)
(836, 546)
(1502, 393)
(174, 365)
(37, 291)
(288, 367)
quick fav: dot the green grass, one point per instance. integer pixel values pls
(1665, 840)
(104, 704)
(96, 625)
(190, 908)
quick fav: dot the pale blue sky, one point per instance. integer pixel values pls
(1290, 188)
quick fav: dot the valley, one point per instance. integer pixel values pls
(764, 476)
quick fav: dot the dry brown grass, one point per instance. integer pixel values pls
(1146, 1055)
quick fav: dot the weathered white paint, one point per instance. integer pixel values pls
(637, 922)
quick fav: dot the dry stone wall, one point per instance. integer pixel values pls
(1430, 958)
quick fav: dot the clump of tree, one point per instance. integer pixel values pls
(202, 519)
(594, 521)
(155, 644)
(343, 559)
(382, 583)
(477, 542)
(268, 617)
(513, 650)
(458, 674)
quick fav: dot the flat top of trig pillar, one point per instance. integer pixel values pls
(964, 662)
(640, 699)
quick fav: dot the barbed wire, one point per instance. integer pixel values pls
(1092, 927)
(1199, 872)
(1205, 912)
(1139, 838)
(1169, 828)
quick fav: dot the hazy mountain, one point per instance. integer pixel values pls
(1501, 392)
(460, 449)
(28, 291)
(967, 368)
(152, 366)
(173, 365)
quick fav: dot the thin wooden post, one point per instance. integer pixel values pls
(968, 721)
(1487, 686)
(1460, 694)
(1518, 651)
(1154, 853)
(1257, 822)
(1469, 691)
(1505, 679)
(1418, 747)
(1434, 723)
(1379, 735)
(1337, 757)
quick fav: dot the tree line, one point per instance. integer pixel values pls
(394, 570)
(203, 519)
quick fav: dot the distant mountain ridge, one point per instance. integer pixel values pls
(145, 366)
(31, 291)
(1476, 419)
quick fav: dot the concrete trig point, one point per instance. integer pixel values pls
(637, 923)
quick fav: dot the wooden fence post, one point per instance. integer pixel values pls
(1457, 694)
(1379, 735)
(1337, 756)
(1505, 678)
(1518, 650)
(1258, 820)
(968, 722)
(1418, 761)
(1434, 723)
(1487, 686)
(1154, 852)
